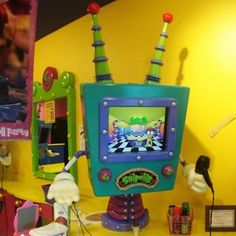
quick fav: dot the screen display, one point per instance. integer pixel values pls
(26, 218)
(137, 129)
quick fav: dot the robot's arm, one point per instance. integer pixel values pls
(64, 189)
(197, 175)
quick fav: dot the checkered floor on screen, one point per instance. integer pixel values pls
(124, 145)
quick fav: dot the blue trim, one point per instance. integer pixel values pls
(164, 35)
(161, 48)
(98, 43)
(157, 62)
(96, 27)
(171, 117)
(153, 78)
(100, 59)
(103, 77)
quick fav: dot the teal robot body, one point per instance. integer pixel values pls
(133, 135)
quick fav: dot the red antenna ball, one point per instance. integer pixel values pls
(167, 17)
(93, 8)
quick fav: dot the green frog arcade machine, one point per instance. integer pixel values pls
(133, 134)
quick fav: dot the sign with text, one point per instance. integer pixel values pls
(49, 111)
(17, 35)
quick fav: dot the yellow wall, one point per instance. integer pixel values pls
(201, 54)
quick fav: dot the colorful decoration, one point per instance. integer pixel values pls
(102, 69)
(50, 73)
(17, 34)
(153, 76)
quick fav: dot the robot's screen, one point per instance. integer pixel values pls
(137, 129)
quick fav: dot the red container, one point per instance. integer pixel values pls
(180, 224)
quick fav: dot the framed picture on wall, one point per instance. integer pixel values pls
(17, 36)
(220, 218)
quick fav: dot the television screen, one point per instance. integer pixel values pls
(132, 129)
(137, 129)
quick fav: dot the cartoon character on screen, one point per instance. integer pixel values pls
(150, 132)
(133, 139)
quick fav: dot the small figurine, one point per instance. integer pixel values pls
(5, 156)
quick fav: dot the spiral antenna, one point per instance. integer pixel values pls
(102, 71)
(153, 76)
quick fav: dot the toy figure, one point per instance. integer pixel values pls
(5, 156)
(141, 158)
(150, 132)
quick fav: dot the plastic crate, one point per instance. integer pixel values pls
(180, 225)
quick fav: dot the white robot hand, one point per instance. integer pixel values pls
(63, 189)
(52, 229)
(195, 181)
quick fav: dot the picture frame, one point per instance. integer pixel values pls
(220, 218)
(53, 123)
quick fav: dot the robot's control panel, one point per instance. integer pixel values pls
(167, 170)
(104, 175)
(135, 177)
